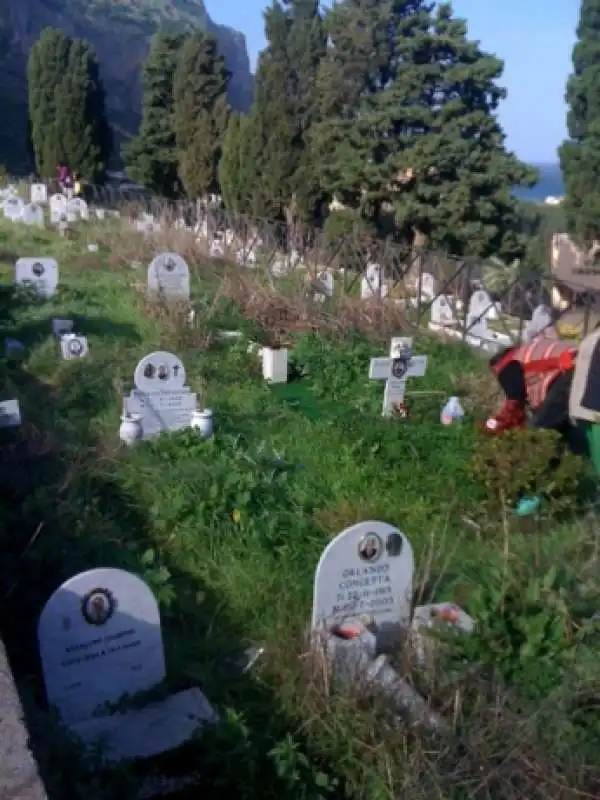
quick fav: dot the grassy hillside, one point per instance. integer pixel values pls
(228, 533)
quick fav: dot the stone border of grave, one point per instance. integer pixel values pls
(19, 775)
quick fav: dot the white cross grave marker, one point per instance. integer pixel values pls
(400, 365)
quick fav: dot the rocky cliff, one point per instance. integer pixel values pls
(120, 30)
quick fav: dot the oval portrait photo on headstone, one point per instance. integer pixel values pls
(370, 547)
(38, 269)
(76, 347)
(98, 606)
(162, 372)
(149, 371)
(169, 265)
(399, 367)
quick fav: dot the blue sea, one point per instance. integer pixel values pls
(550, 184)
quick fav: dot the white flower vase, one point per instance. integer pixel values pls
(131, 430)
(202, 421)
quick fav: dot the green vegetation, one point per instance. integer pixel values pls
(200, 113)
(228, 533)
(580, 154)
(66, 107)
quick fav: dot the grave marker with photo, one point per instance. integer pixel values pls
(13, 208)
(73, 346)
(169, 274)
(40, 273)
(38, 193)
(365, 576)
(58, 208)
(395, 370)
(100, 639)
(160, 396)
(33, 214)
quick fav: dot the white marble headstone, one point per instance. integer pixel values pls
(99, 637)
(168, 273)
(323, 285)
(10, 414)
(73, 345)
(372, 283)
(442, 311)
(400, 365)
(13, 208)
(365, 575)
(160, 396)
(481, 305)
(78, 207)
(427, 285)
(33, 214)
(541, 319)
(41, 273)
(58, 208)
(38, 193)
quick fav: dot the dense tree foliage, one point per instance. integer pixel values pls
(151, 158)
(66, 107)
(580, 154)
(200, 113)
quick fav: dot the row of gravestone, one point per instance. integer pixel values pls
(100, 638)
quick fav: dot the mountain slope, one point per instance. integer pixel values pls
(120, 30)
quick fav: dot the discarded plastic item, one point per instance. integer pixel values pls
(452, 411)
(527, 506)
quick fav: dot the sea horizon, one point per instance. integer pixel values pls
(550, 184)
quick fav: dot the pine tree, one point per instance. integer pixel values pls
(580, 154)
(85, 136)
(408, 108)
(66, 106)
(151, 157)
(200, 112)
(284, 112)
(46, 69)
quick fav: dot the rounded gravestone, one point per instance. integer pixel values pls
(169, 273)
(41, 273)
(159, 371)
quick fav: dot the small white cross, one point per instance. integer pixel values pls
(395, 370)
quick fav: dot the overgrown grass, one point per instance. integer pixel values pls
(228, 533)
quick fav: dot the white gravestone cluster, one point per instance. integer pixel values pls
(100, 640)
(169, 274)
(160, 400)
(40, 273)
(400, 365)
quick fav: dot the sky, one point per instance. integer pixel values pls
(533, 37)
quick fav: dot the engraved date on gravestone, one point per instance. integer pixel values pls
(364, 590)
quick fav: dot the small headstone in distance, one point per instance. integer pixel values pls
(160, 396)
(41, 273)
(168, 273)
(10, 414)
(62, 326)
(73, 346)
(100, 639)
(77, 207)
(58, 207)
(13, 208)
(365, 576)
(38, 193)
(400, 365)
(33, 214)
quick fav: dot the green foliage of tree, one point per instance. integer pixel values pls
(66, 106)
(580, 153)
(151, 157)
(200, 113)
(285, 108)
(408, 122)
(46, 69)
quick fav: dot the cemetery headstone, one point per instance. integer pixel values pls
(481, 305)
(541, 319)
(41, 273)
(33, 214)
(427, 285)
(10, 414)
(78, 207)
(73, 345)
(400, 365)
(13, 208)
(372, 283)
(38, 193)
(323, 286)
(62, 326)
(160, 397)
(100, 639)
(442, 312)
(365, 575)
(58, 208)
(168, 273)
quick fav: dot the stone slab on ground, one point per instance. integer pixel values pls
(19, 777)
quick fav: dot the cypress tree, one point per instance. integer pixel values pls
(46, 69)
(580, 153)
(284, 112)
(85, 136)
(200, 113)
(237, 165)
(151, 157)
